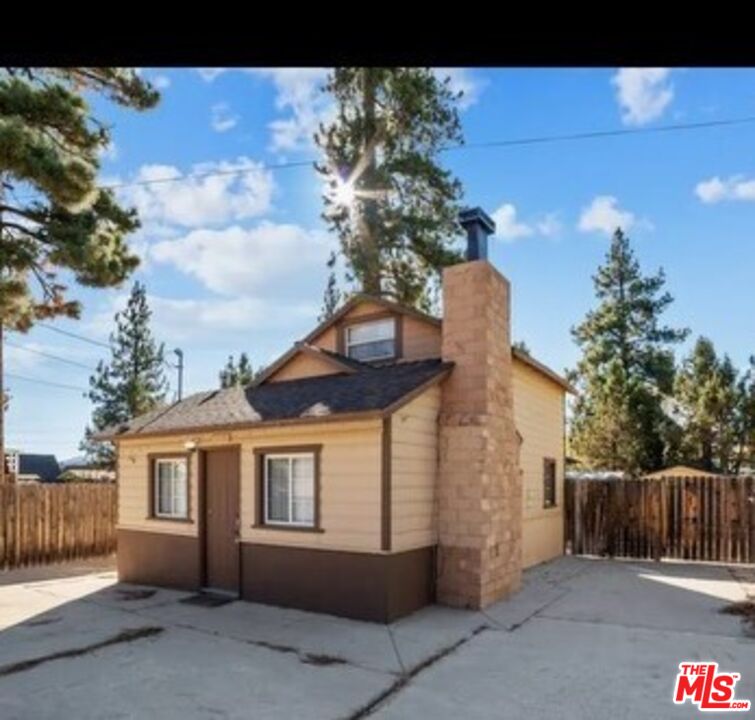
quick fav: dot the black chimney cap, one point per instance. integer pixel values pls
(479, 225)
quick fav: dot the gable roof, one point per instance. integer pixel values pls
(45, 467)
(369, 391)
(340, 363)
(359, 298)
(536, 365)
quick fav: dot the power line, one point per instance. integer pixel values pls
(74, 335)
(594, 134)
(45, 382)
(49, 355)
(506, 142)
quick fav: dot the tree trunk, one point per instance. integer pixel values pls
(370, 239)
(2, 409)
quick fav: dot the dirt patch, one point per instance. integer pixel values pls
(745, 609)
(131, 595)
(321, 660)
(42, 621)
(124, 636)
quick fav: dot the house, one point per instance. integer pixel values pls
(31, 467)
(387, 460)
(80, 470)
(679, 471)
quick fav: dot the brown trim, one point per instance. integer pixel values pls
(365, 586)
(158, 558)
(151, 458)
(405, 399)
(259, 490)
(385, 486)
(543, 370)
(368, 318)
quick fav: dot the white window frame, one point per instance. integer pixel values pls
(349, 344)
(266, 489)
(173, 515)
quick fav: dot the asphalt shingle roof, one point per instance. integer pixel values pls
(45, 467)
(370, 388)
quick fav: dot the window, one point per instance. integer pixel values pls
(290, 489)
(549, 482)
(170, 487)
(375, 340)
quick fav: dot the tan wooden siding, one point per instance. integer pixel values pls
(421, 339)
(414, 464)
(349, 491)
(303, 366)
(133, 486)
(538, 413)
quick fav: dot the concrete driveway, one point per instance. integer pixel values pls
(584, 639)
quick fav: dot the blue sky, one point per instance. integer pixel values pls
(236, 262)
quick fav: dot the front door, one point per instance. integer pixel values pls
(221, 517)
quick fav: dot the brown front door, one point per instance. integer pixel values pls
(221, 516)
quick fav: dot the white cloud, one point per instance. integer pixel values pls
(549, 225)
(161, 82)
(509, 227)
(299, 93)
(604, 215)
(209, 74)
(196, 201)
(248, 262)
(643, 93)
(221, 118)
(465, 81)
(110, 151)
(736, 187)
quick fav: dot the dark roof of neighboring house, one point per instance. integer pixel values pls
(368, 390)
(45, 467)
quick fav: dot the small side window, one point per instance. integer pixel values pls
(549, 482)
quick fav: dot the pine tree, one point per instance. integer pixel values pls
(745, 421)
(133, 381)
(626, 369)
(392, 206)
(233, 374)
(53, 214)
(332, 296)
(707, 396)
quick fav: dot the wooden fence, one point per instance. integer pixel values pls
(691, 518)
(52, 523)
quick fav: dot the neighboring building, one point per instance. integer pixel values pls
(680, 471)
(30, 467)
(387, 460)
(79, 470)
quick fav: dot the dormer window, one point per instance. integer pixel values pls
(373, 340)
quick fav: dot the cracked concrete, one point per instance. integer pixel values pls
(584, 638)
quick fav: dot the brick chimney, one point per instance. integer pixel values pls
(480, 487)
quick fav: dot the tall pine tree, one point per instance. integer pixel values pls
(237, 374)
(707, 397)
(626, 369)
(332, 296)
(392, 206)
(133, 381)
(53, 213)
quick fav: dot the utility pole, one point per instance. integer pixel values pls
(180, 368)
